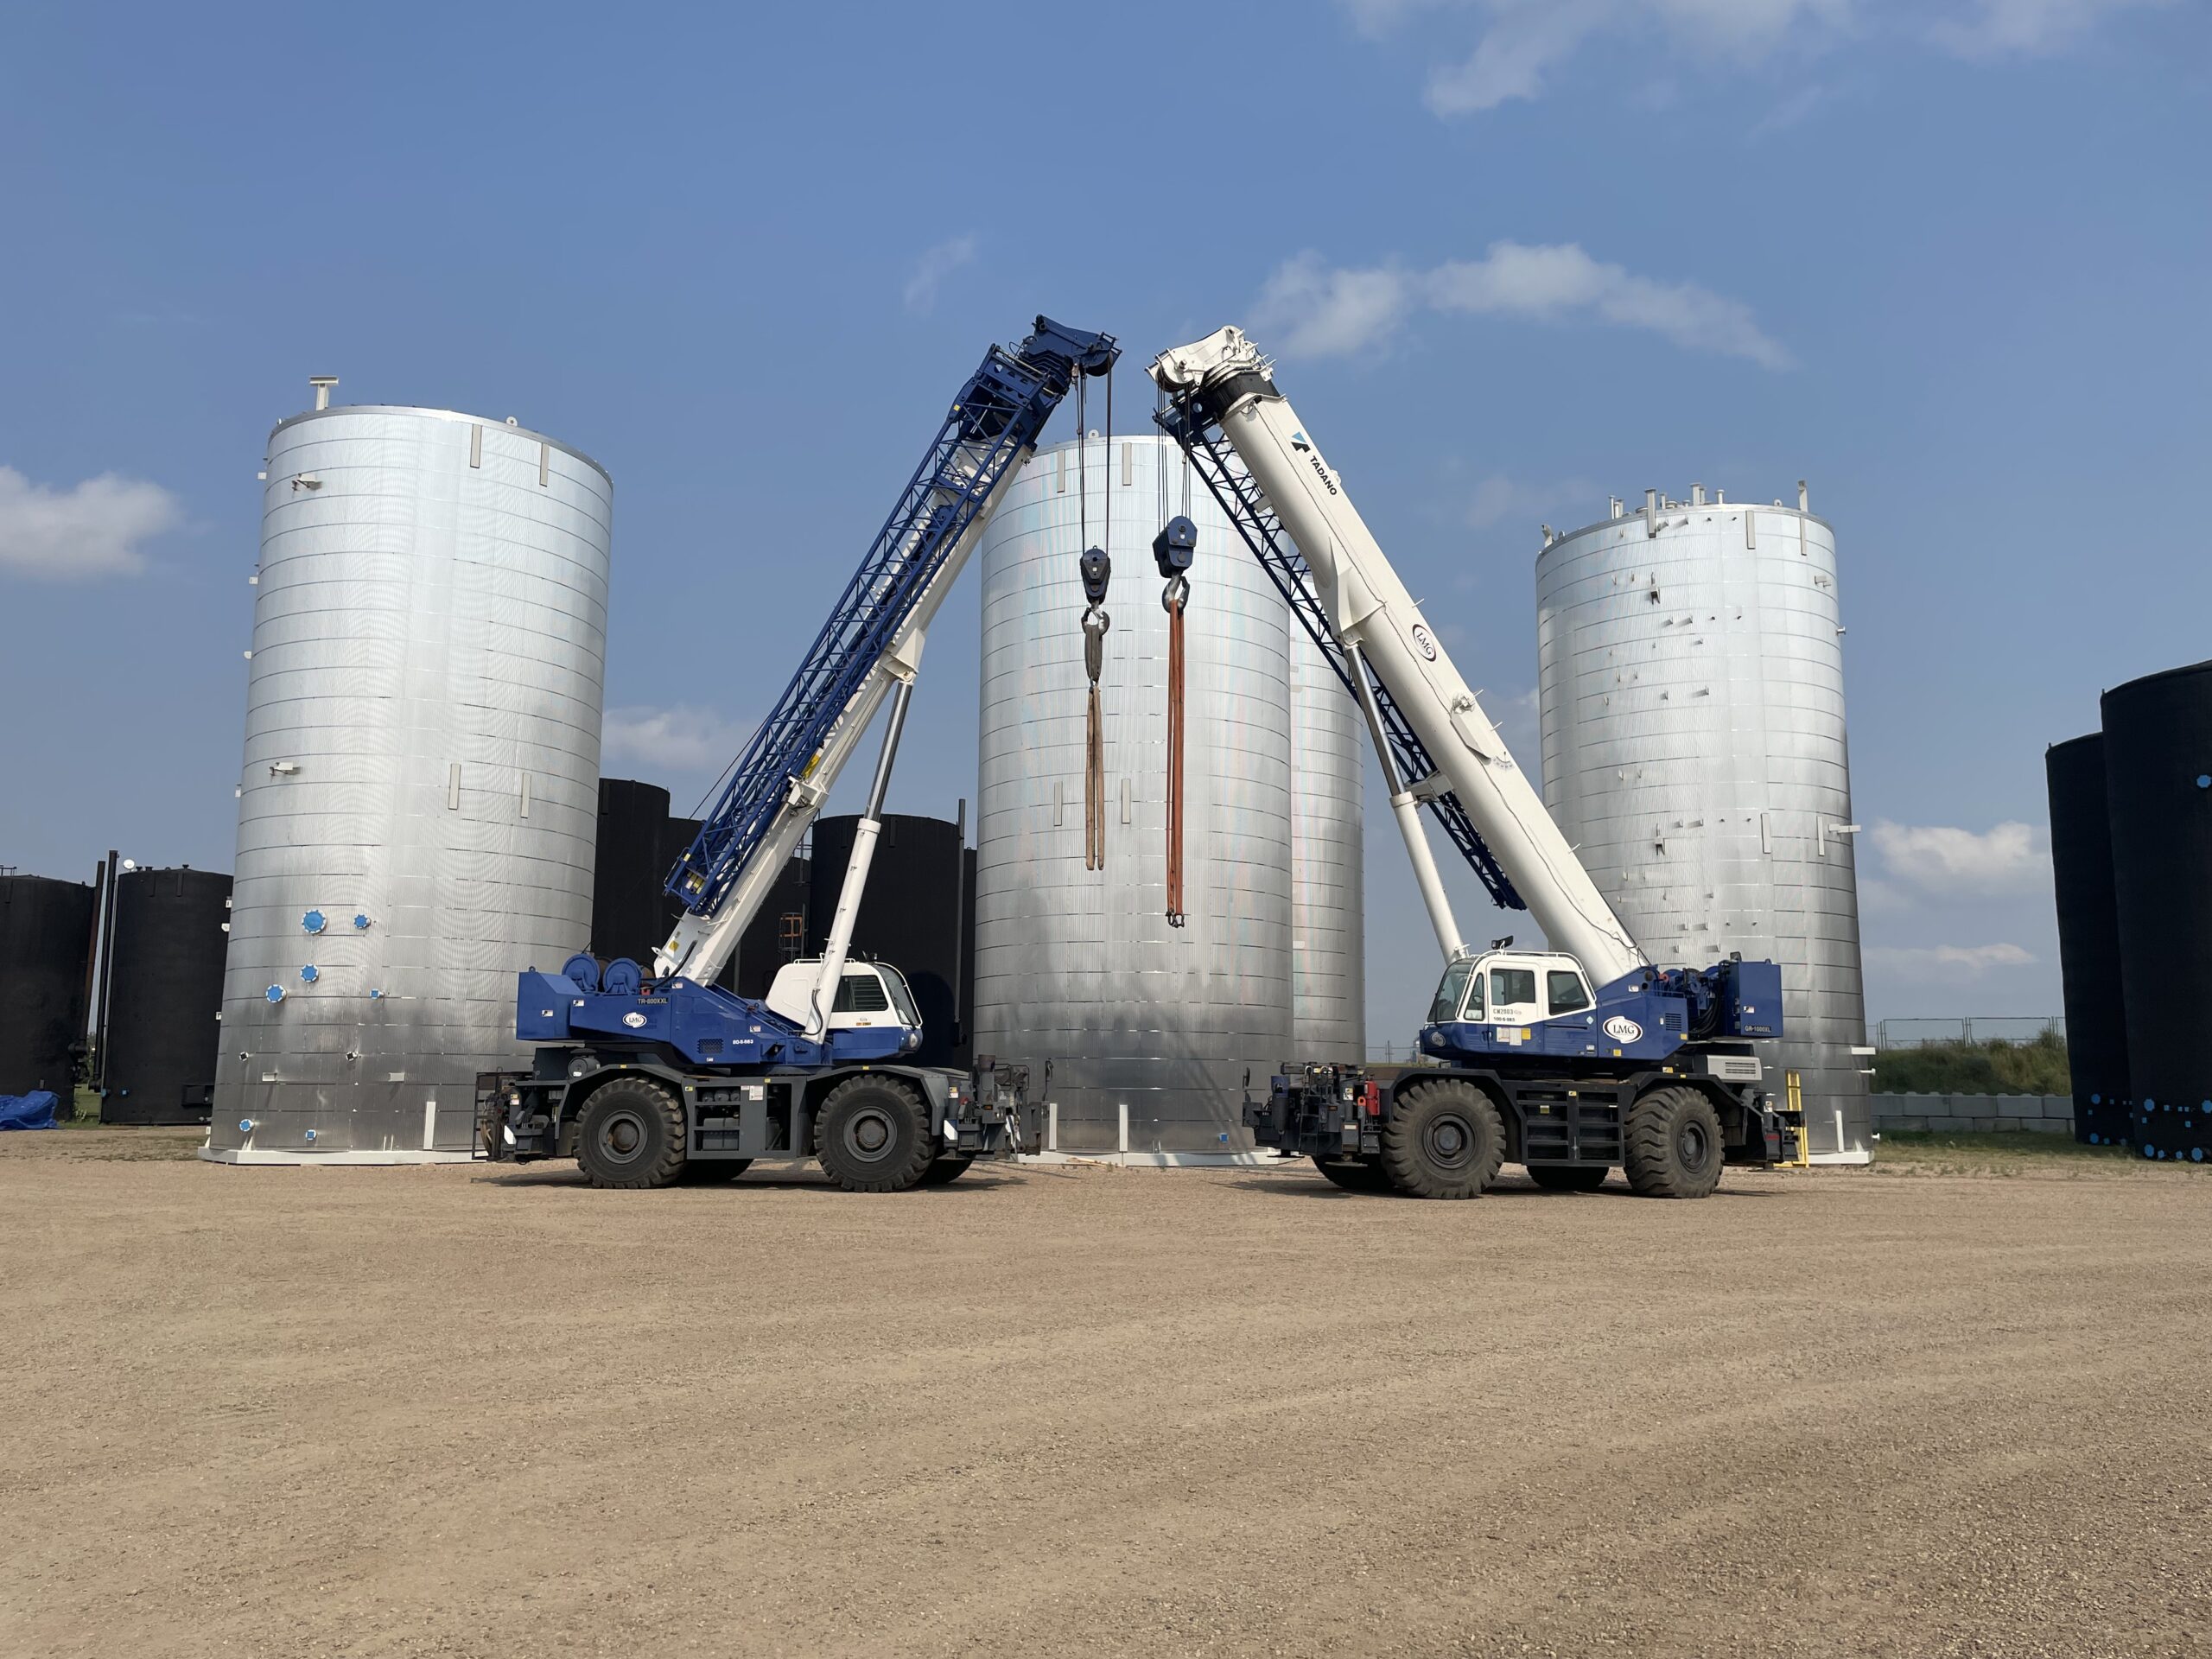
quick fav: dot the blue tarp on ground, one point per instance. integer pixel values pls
(32, 1111)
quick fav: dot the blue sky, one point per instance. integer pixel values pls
(1947, 260)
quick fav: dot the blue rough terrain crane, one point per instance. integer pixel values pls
(647, 1076)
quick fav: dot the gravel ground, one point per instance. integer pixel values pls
(469, 1411)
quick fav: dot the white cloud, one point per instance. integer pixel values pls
(677, 738)
(1992, 29)
(933, 267)
(1524, 44)
(1317, 311)
(1943, 863)
(1311, 309)
(1946, 962)
(94, 529)
(1514, 56)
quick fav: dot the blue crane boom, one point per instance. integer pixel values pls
(777, 784)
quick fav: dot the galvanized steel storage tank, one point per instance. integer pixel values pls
(1328, 944)
(1081, 968)
(1690, 683)
(420, 794)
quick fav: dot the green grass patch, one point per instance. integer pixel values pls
(2034, 1068)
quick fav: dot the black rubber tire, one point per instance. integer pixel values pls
(713, 1172)
(944, 1171)
(1568, 1177)
(1354, 1176)
(630, 1135)
(1672, 1144)
(1444, 1139)
(873, 1135)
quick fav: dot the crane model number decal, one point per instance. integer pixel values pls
(1622, 1029)
(1313, 460)
(1424, 643)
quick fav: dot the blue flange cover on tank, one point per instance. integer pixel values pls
(581, 970)
(624, 978)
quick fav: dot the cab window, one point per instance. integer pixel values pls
(1446, 1004)
(861, 993)
(902, 995)
(1512, 987)
(1566, 992)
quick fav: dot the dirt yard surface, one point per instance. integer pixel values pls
(1087, 1411)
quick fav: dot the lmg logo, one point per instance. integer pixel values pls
(636, 1021)
(1424, 643)
(1622, 1029)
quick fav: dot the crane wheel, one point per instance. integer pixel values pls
(944, 1171)
(871, 1135)
(630, 1134)
(1568, 1177)
(1354, 1175)
(713, 1172)
(1672, 1144)
(1444, 1139)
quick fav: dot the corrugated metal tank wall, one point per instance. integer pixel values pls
(1328, 942)
(2088, 939)
(421, 772)
(1081, 968)
(2157, 734)
(46, 944)
(1690, 682)
(164, 995)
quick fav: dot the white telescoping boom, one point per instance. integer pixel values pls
(1377, 622)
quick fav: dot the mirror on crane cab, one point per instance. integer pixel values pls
(1511, 988)
(870, 995)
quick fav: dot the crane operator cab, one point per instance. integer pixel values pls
(1507, 1001)
(872, 996)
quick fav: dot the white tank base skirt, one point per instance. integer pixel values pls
(350, 1157)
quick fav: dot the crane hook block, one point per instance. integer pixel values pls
(1173, 548)
(1097, 569)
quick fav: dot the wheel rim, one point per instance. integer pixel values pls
(1693, 1145)
(1449, 1140)
(622, 1137)
(870, 1135)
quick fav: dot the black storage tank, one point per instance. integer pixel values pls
(2158, 787)
(2088, 939)
(164, 995)
(777, 932)
(630, 913)
(46, 947)
(915, 915)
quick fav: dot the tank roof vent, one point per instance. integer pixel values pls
(323, 383)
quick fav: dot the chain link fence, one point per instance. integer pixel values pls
(1984, 1028)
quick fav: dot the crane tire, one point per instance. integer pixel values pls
(944, 1171)
(630, 1134)
(873, 1135)
(1354, 1175)
(1671, 1146)
(1444, 1139)
(1568, 1177)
